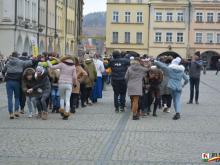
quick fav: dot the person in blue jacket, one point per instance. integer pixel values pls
(176, 74)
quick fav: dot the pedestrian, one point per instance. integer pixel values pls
(13, 74)
(164, 90)
(54, 75)
(28, 83)
(100, 69)
(90, 68)
(194, 74)
(134, 78)
(81, 76)
(43, 86)
(175, 75)
(119, 66)
(218, 66)
(155, 79)
(67, 81)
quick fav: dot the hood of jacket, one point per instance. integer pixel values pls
(177, 68)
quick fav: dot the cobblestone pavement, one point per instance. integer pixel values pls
(98, 136)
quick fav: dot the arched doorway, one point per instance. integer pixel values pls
(211, 57)
(19, 45)
(27, 46)
(41, 48)
(169, 53)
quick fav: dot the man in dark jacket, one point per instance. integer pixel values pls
(218, 66)
(13, 73)
(194, 74)
(119, 67)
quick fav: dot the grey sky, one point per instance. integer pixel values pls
(94, 5)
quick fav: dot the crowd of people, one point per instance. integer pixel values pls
(63, 83)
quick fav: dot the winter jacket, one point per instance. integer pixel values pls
(155, 78)
(119, 67)
(81, 76)
(90, 68)
(175, 75)
(195, 69)
(134, 77)
(28, 84)
(14, 68)
(164, 90)
(67, 70)
(42, 83)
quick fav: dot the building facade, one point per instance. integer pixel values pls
(54, 25)
(168, 27)
(205, 29)
(164, 27)
(127, 25)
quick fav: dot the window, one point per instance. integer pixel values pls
(115, 16)
(27, 9)
(21, 8)
(199, 17)
(139, 17)
(180, 17)
(169, 37)
(34, 11)
(158, 16)
(209, 37)
(127, 37)
(127, 17)
(179, 38)
(139, 38)
(198, 37)
(210, 17)
(115, 37)
(218, 19)
(169, 17)
(139, 1)
(128, 1)
(218, 38)
(158, 37)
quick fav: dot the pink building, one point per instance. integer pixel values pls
(204, 35)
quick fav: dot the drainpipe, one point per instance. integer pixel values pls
(189, 27)
(15, 24)
(38, 33)
(46, 24)
(55, 35)
(65, 36)
(149, 23)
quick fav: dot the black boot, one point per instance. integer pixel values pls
(73, 110)
(122, 109)
(136, 117)
(117, 110)
(176, 116)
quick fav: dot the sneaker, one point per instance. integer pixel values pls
(166, 110)
(122, 109)
(17, 114)
(30, 115)
(83, 105)
(39, 114)
(190, 102)
(117, 110)
(44, 115)
(11, 116)
(176, 116)
(136, 117)
(22, 111)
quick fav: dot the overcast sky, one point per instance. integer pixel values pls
(94, 5)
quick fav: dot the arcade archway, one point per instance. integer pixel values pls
(211, 57)
(169, 53)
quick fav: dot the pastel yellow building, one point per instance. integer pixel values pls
(169, 26)
(127, 25)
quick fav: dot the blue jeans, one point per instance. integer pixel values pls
(176, 95)
(31, 102)
(13, 88)
(55, 96)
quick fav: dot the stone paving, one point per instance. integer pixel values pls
(98, 136)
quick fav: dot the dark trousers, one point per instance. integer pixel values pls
(167, 99)
(41, 102)
(22, 99)
(88, 94)
(120, 89)
(194, 84)
(74, 99)
(83, 93)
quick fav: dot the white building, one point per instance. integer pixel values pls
(18, 25)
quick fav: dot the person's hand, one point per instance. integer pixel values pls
(30, 90)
